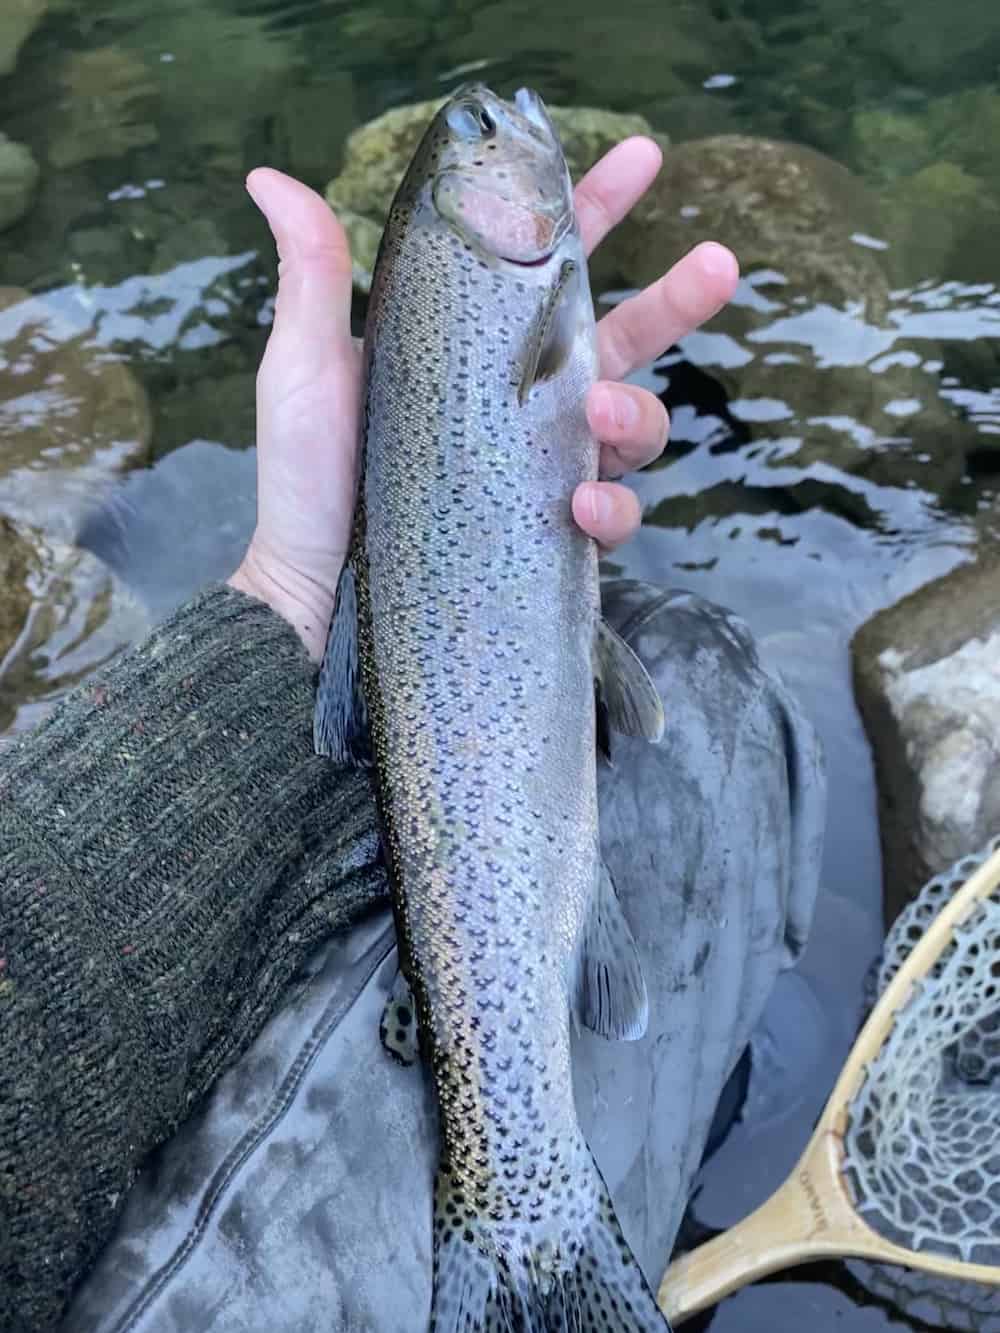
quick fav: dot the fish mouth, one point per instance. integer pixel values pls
(528, 263)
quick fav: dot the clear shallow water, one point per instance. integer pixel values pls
(145, 115)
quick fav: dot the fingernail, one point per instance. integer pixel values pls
(615, 408)
(624, 410)
(717, 261)
(599, 503)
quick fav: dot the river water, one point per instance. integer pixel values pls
(145, 115)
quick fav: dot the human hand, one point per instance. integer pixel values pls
(309, 386)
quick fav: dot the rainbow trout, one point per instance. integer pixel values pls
(469, 665)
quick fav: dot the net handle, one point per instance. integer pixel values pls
(810, 1216)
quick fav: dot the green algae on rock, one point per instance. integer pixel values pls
(945, 222)
(889, 143)
(940, 183)
(377, 154)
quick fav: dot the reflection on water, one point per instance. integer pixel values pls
(834, 435)
(185, 308)
(73, 412)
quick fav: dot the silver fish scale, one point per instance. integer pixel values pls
(483, 596)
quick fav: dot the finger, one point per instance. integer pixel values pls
(607, 512)
(313, 311)
(631, 424)
(643, 327)
(613, 186)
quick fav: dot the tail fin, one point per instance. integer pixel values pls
(490, 1278)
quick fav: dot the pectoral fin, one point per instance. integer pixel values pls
(611, 990)
(626, 690)
(551, 339)
(340, 722)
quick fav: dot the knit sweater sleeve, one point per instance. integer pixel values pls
(171, 850)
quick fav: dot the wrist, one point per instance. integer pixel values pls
(295, 597)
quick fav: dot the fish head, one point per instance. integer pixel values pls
(497, 175)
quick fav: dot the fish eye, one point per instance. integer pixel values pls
(471, 121)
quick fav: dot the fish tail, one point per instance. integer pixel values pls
(582, 1277)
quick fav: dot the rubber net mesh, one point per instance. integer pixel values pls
(923, 1143)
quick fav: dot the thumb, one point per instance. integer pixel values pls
(312, 318)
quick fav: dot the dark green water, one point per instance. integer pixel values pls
(145, 115)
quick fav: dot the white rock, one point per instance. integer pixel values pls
(927, 678)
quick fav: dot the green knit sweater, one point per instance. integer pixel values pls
(171, 850)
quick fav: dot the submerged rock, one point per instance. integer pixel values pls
(186, 242)
(781, 207)
(18, 180)
(219, 407)
(169, 529)
(636, 54)
(18, 20)
(808, 351)
(71, 418)
(18, 563)
(921, 41)
(106, 109)
(71, 415)
(927, 681)
(377, 155)
(939, 182)
(313, 123)
(208, 103)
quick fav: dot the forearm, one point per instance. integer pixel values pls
(170, 851)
